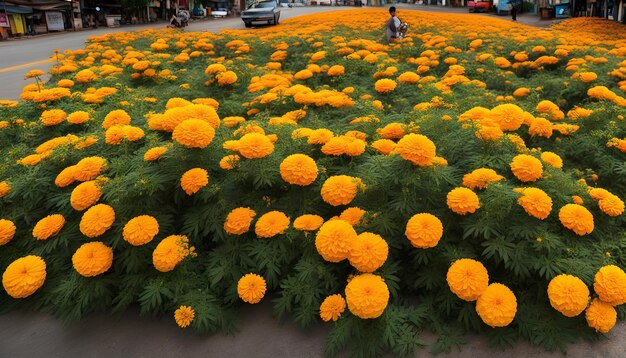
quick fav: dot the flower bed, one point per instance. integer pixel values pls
(457, 181)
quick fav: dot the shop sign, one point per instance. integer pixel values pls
(54, 21)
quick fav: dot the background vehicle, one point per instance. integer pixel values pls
(262, 11)
(479, 6)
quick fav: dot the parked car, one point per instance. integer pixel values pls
(479, 6)
(262, 11)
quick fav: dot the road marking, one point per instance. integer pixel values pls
(13, 68)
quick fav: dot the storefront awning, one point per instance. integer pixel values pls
(10, 9)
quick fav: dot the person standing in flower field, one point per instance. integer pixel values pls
(392, 24)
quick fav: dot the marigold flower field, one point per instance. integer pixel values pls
(469, 178)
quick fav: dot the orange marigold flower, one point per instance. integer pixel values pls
(508, 116)
(340, 189)
(194, 133)
(184, 315)
(497, 305)
(611, 205)
(194, 180)
(332, 308)
(140, 230)
(385, 85)
(568, 294)
(53, 117)
(576, 218)
(5, 188)
(97, 220)
(229, 162)
(552, 159)
(424, 230)
(462, 201)
(384, 146)
(78, 117)
(535, 202)
(251, 288)
(481, 178)
(271, 224)
(48, 227)
(298, 169)
(308, 222)
(92, 259)
(601, 316)
(255, 145)
(24, 276)
(610, 285)
(89, 168)
(417, 149)
(334, 240)
(85, 195)
(392, 131)
(7, 231)
(467, 279)
(540, 127)
(116, 117)
(367, 296)
(238, 221)
(526, 168)
(368, 252)
(154, 153)
(169, 252)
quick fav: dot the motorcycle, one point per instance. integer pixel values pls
(180, 21)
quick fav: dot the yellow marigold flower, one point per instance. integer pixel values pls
(184, 315)
(85, 195)
(385, 85)
(97, 220)
(521, 92)
(48, 227)
(501, 62)
(367, 296)
(298, 169)
(497, 305)
(214, 68)
(89, 168)
(177, 102)
(233, 121)
(392, 131)
(481, 178)
(368, 252)
(255, 145)
(169, 252)
(467, 279)
(576, 218)
(601, 316)
(114, 135)
(175, 116)
(332, 308)
(334, 240)
(587, 76)
(65, 177)
(568, 294)
(132, 133)
(320, 136)
(318, 56)
(384, 146)
(53, 117)
(238, 221)
(611, 205)
(194, 180)
(65, 83)
(7, 231)
(154, 153)
(92, 259)
(308, 222)
(32, 159)
(34, 73)
(552, 159)
(140, 230)
(409, 77)
(352, 215)
(336, 70)
(526, 168)
(577, 200)
(24, 276)
(78, 117)
(194, 133)
(226, 78)
(417, 149)
(488, 130)
(599, 193)
(229, 162)
(610, 285)
(540, 127)
(251, 288)
(303, 75)
(462, 201)
(271, 224)
(535, 202)
(508, 116)
(340, 189)
(116, 117)
(5, 188)
(424, 230)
